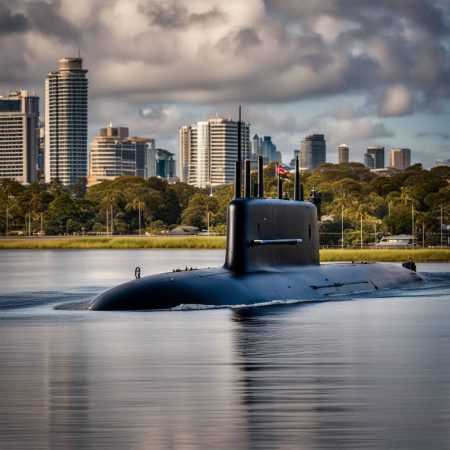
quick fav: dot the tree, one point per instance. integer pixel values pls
(200, 208)
(137, 204)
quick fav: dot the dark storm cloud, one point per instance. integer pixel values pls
(46, 19)
(239, 42)
(247, 37)
(382, 41)
(11, 22)
(173, 15)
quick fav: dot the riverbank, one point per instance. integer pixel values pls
(115, 242)
(211, 242)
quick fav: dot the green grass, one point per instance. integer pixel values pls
(196, 242)
(213, 242)
(418, 255)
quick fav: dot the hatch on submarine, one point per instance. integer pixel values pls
(272, 255)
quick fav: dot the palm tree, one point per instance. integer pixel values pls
(110, 201)
(139, 204)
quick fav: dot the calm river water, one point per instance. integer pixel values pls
(365, 373)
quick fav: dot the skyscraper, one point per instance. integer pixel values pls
(256, 146)
(369, 161)
(378, 156)
(19, 136)
(269, 151)
(66, 114)
(165, 164)
(343, 154)
(212, 150)
(400, 158)
(185, 154)
(312, 151)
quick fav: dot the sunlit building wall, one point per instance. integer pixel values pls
(19, 136)
(213, 149)
(400, 158)
(66, 116)
(313, 151)
(344, 154)
(114, 154)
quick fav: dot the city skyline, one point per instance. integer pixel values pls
(375, 73)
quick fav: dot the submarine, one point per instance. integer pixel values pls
(272, 255)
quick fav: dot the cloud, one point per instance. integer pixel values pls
(395, 101)
(174, 15)
(427, 134)
(254, 51)
(162, 61)
(11, 22)
(46, 19)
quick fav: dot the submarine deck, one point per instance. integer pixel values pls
(222, 287)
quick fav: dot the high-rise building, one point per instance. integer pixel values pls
(41, 152)
(378, 156)
(269, 151)
(369, 160)
(255, 147)
(313, 151)
(185, 153)
(400, 158)
(113, 154)
(344, 154)
(296, 155)
(66, 115)
(19, 136)
(212, 150)
(165, 164)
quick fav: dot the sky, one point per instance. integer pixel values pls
(371, 72)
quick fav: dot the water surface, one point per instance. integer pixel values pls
(366, 373)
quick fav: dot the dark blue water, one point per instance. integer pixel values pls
(360, 373)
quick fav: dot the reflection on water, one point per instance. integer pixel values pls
(367, 373)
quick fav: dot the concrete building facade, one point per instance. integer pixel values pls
(400, 158)
(114, 154)
(66, 122)
(184, 140)
(343, 154)
(212, 150)
(19, 136)
(313, 151)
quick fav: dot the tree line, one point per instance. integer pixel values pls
(408, 202)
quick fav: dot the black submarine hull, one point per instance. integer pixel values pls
(222, 287)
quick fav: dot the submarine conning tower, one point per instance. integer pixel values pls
(270, 234)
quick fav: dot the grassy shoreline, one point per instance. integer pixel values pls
(210, 242)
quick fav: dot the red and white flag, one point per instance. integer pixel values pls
(281, 170)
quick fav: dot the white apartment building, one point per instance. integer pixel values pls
(208, 151)
(66, 122)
